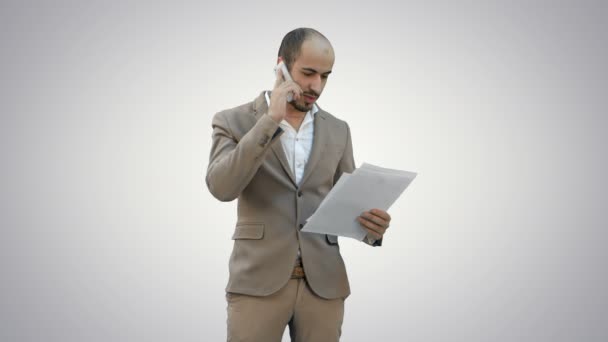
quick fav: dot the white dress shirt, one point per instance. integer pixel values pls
(298, 144)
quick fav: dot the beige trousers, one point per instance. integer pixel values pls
(263, 319)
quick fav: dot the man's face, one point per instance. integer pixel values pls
(310, 71)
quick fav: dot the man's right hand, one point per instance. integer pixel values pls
(278, 100)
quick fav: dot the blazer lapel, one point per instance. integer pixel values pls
(261, 108)
(277, 148)
(319, 144)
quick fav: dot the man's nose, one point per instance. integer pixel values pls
(315, 84)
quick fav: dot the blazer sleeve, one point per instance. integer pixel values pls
(232, 162)
(347, 164)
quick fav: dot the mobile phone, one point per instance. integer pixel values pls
(286, 76)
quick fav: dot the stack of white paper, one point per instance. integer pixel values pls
(367, 188)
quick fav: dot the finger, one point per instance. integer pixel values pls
(371, 232)
(281, 92)
(371, 226)
(383, 214)
(376, 219)
(293, 88)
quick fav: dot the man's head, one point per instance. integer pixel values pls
(309, 57)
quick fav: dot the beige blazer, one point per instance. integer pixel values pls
(247, 162)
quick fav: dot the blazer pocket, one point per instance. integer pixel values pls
(332, 239)
(249, 231)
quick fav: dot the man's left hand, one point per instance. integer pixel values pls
(375, 221)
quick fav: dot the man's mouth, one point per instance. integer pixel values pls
(309, 98)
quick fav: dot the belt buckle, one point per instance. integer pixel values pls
(298, 272)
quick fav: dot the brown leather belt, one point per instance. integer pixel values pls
(298, 273)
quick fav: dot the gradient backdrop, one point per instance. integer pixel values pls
(109, 234)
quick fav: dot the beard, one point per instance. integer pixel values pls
(304, 106)
(301, 107)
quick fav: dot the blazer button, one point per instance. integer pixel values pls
(299, 193)
(264, 140)
(301, 226)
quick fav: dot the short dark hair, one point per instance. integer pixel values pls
(292, 43)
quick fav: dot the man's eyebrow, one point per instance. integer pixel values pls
(315, 71)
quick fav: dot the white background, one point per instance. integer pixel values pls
(109, 234)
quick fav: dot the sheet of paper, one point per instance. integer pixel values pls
(368, 187)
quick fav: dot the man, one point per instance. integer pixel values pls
(280, 160)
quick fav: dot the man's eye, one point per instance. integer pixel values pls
(324, 76)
